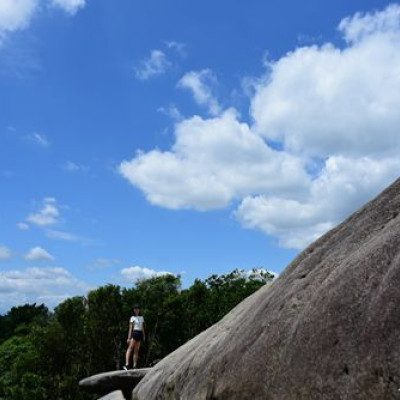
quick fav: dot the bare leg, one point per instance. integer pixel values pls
(136, 353)
(129, 351)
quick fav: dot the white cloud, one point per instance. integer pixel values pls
(38, 254)
(38, 285)
(156, 64)
(171, 111)
(362, 25)
(70, 6)
(68, 237)
(48, 215)
(258, 273)
(16, 15)
(133, 274)
(74, 167)
(179, 47)
(39, 140)
(60, 235)
(322, 101)
(22, 226)
(213, 162)
(5, 253)
(332, 112)
(200, 83)
(343, 186)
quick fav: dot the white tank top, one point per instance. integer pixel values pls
(137, 322)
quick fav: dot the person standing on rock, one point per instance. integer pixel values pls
(136, 334)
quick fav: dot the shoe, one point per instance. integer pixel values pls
(125, 367)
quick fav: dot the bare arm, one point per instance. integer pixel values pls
(144, 332)
(130, 331)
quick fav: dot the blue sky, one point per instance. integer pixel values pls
(186, 137)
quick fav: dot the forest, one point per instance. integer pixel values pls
(43, 353)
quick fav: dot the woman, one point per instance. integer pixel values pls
(136, 334)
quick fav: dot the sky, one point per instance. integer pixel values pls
(171, 136)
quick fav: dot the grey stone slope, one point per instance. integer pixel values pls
(327, 328)
(116, 395)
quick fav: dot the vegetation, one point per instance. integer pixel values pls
(43, 355)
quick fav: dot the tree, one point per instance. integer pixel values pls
(18, 370)
(21, 318)
(72, 316)
(105, 323)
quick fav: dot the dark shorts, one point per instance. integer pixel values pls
(137, 336)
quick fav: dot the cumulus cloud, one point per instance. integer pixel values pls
(361, 25)
(5, 253)
(200, 83)
(343, 186)
(156, 64)
(324, 138)
(16, 15)
(38, 285)
(48, 215)
(38, 254)
(70, 6)
(135, 273)
(324, 101)
(213, 162)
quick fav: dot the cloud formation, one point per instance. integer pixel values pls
(135, 273)
(324, 101)
(48, 215)
(22, 226)
(156, 64)
(39, 140)
(5, 253)
(71, 166)
(69, 6)
(213, 162)
(38, 254)
(17, 15)
(38, 285)
(200, 83)
(324, 138)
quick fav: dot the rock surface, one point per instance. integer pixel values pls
(327, 328)
(116, 395)
(108, 382)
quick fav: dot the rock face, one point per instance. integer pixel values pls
(327, 328)
(107, 382)
(116, 395)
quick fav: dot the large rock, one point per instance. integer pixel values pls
(327, 328)
(108, 382)
(116, 395)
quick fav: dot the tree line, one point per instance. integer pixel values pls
(44, 354)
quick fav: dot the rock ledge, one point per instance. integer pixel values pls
(108, 382)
